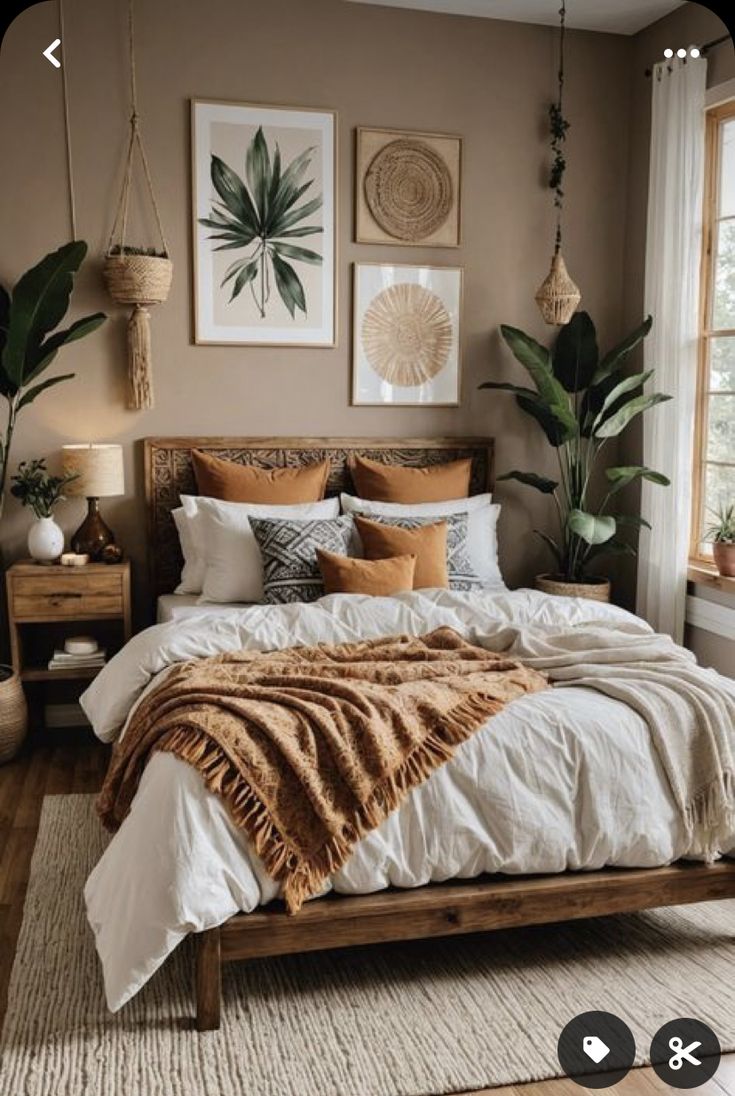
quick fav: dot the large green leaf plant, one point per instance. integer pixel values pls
(581, 401)
(29, 342)
(263, 215)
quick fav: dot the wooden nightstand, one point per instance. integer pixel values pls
(46, 604)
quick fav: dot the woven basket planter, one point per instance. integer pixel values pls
(13, 714)
(597, 589)
(138, 279)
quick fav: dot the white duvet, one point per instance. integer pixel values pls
(565, 778)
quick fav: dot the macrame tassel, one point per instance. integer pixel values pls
(139, 349)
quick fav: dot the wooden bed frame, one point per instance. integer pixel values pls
(445, 909)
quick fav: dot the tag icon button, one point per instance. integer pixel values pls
(595, 1049)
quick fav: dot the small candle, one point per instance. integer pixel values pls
(73, 559)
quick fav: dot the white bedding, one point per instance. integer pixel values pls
(180, 606)
(565, 778)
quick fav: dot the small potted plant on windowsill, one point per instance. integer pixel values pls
(581, 400)
(722, 535)
(34, 487)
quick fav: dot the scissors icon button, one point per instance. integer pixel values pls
(685, 1053)
(682, 1053)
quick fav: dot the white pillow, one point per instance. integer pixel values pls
(482, 518)
(234, 567)
(188, 526)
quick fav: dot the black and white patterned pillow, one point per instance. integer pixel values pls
(462, 575)
(290, 568)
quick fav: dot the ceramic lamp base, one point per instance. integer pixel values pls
(93, 535)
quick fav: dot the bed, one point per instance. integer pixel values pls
(539, 817)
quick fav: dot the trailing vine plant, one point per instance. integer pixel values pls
(558, 126)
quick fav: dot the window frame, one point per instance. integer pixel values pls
(715, 117)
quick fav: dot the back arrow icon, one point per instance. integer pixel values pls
(49, 53)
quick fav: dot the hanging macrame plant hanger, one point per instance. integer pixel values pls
(558, 296)
(136, 276)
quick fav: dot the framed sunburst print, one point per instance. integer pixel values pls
(264, 224)
(406, 335)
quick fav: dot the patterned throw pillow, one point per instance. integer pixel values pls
(290, 566)
(462, 575)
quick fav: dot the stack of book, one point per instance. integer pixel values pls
(62, 660)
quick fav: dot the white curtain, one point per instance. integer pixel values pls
(673, 250)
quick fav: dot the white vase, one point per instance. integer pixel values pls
(45, 540)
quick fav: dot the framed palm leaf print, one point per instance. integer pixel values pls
(264, 224)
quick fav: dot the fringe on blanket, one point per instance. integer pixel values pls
(710, 817)
(302, 879)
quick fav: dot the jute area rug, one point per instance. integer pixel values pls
(397, 1020)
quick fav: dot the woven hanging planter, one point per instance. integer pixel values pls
(134, 277)
(558, 296)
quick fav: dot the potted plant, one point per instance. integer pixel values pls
(38, 304)
(581, 400)
(722, 535)
(33, 485)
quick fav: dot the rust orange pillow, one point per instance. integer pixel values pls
(428, 543)
(395, 483)
(377, 577)
(223, 479)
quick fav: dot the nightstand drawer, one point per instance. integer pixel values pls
(57, 597)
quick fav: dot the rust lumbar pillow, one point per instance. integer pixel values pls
(223, 479)
(427, 542)
(395, 483)
(377, 577)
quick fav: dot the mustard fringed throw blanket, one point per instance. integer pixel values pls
(312, 747)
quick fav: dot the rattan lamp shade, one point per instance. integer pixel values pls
(558, 296)
(99, 469)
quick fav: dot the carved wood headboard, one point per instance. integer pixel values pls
(169, 474)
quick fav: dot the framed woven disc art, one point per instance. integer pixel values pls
(406, 348)
(408, 188)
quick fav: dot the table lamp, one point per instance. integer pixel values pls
(99, 472)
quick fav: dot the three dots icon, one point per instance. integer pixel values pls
(693, 51)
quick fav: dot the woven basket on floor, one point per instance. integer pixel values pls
(596, 590)
(13, 714)
(138, 279)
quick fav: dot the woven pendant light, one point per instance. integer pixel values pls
(558, 296)
(135, 276)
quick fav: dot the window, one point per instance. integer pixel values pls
(714, 456)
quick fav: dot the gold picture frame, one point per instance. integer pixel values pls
(408, 188)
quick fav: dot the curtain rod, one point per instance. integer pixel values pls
(704, 49)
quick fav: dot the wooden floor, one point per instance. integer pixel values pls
(58, 762)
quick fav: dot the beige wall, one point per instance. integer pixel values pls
(489, 81)
(711, 650)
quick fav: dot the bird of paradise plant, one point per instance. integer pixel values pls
(581, 400)
(262, 214)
